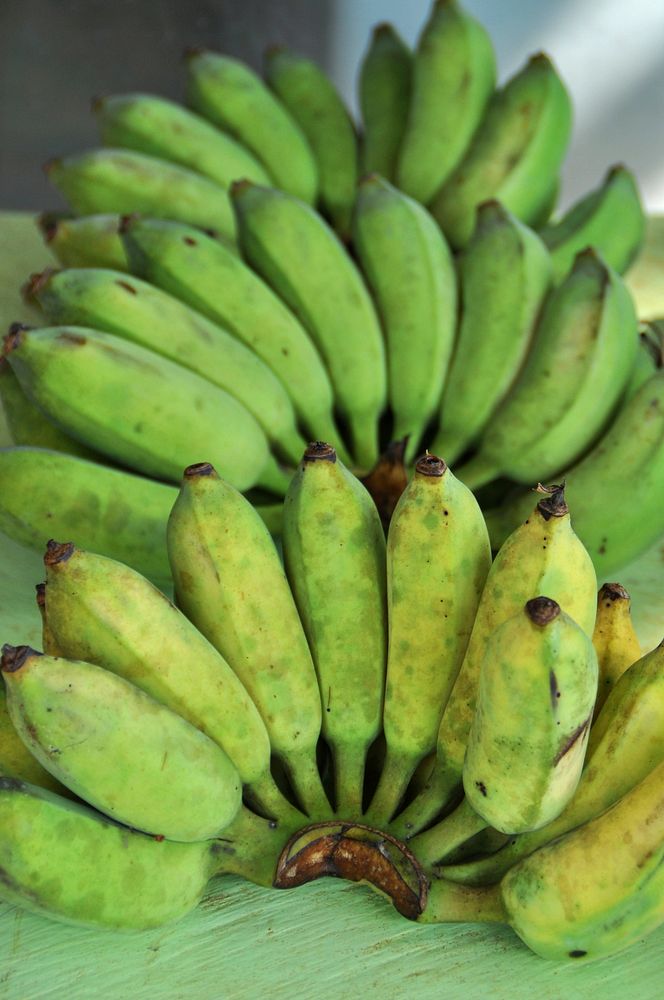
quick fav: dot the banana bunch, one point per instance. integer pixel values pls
(373, 709)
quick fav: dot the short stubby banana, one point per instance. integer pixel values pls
(293, 249)
(384, 87)
(614, 638)
(414, 284)
(88, 241)
(118, 749)
(234, 98)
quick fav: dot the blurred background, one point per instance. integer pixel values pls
(55, 55)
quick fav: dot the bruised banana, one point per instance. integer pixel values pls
(89, 241)
(438, 557)
(230, 583)
(334, 553)
(384, 86)
(615, 641)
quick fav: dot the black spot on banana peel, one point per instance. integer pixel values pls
(358, 853)
(542, 610)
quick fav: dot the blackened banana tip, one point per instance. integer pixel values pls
(319, 451)
(57, 552)
(13, 657)
(430, 465)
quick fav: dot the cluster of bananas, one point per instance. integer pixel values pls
(379, 711)
(470, 325)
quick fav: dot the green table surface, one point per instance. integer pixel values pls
(326, 939)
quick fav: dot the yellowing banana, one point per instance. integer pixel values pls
(615, 641)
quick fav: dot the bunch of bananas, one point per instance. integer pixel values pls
(265, 297)
(376, 710)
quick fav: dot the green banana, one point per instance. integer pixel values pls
(133, 309)
(334, 553)
(593, 221)
(90, 241)
(438, 557)
(384, 86)
(627, 466)
(615, 641)
(313, 101)
(137, 407)
(162, 128)
(204, 274)
(542, 556)
(233, 97)
(572, 380)
(116, 747)
(119, 180)
(504, 274)
(105, 613)
(414, 285)
(292, 248)
(16, 761)
(454, 73)
(648, 359)
(230, 583)
(515, 154)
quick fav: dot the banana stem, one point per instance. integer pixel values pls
(397, 771)
(364, 437)
(349, 764)
(439, 790)
(451, 832)
(448, 903)
(250, 847)
(268, 799)
(306, 781)
(478, 471)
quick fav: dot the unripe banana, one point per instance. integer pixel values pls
(233, 97)
(384, 88)
(542, 556)
(413, 281)
(515, 154)
(162, 128)
(504, 274)
(16, 761)
(454, 73)
(204, 274)
(292, 248)
(592, 221)
(313, 101)
(135, 406)
(438, 557)
(587, 337)
(91, 241)
(230, 583)
(116, 747)
(334, 552)
(647, 362)
(119, 180)
(133, 309)
(615, 641)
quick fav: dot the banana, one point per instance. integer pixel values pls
(627, 465)
(414, 285)
(90, 241)
(504, 275)
(454, 73)
(542, 556)
(438, 557)
(16, 761)
(137, 407)
(204, 274)
(313, 101)
(648, 359)
(515, 154)
(292, 248)
(384, 87)
(105, 613)
(162, 128)
(334, 553)
(230, 583)
(626, 743)
(116, 747)
(119, 180)
(233, 97)
(592, 222)
(615, 641)
(133, 309)
(572, 380)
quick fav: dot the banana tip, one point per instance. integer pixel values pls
(13, 657)
(57, 552)
(430, 465)
(318, 451)
(542, 610)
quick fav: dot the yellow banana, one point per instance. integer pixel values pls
(615, 641)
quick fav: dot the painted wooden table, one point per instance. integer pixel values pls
(325, 939)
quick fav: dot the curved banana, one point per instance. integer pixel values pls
(454, 73)
(313, 101)
(89, 241)
(293, 249)
(230, 583)
(615, 641)
(120, 180)
(334, 553)
(438, 557)
(572, 380)
(234, 98)
(515, 154)
(504, 275)
(384, 87)
(414, 285)
(592, 222)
